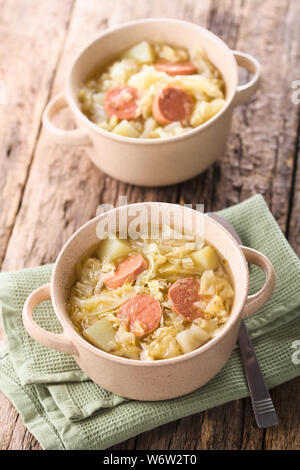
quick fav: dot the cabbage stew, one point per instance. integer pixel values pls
(150, 299)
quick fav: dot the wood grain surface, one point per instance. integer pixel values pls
(47, 191)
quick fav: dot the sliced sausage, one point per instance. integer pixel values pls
(172, 104)
(182, 294)
(122, 101)
(179, 68)
(142, 314)
(130, 268)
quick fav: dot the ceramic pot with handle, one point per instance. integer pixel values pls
(160, 379)
(153, 162)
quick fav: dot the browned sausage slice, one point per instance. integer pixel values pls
(182, 294)
(130, 268)
(179, 68)
(142, 313)
(122, 101)
(172, 104)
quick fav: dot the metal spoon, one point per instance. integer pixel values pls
(262, 403)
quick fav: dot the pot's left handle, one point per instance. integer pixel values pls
(61, 136)
(245, 91)
(61, 342)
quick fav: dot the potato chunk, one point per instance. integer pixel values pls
(206, 258)
(125, 129)
(142, 53)
(111, 249)
(191, 339)
(102, 335)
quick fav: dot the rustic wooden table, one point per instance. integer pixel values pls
(48, 191)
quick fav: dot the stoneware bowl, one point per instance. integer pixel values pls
(161, 379)
(153, 162)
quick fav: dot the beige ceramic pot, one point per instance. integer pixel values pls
(162, 379)
(153, 162)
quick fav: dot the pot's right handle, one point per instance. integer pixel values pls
(256, 301)
(61, 342)
(61, 136)
(245, 91)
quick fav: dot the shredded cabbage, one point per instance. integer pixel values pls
(167, 260)
(136, 68)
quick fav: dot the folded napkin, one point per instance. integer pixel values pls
(65, 410)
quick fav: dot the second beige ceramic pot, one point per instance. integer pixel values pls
(161, 379)
(153, 162)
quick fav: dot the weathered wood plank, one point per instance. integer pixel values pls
(69, 176)
(258, 149)
(293, 223)
(259, 155)
(250, 161)
(31, 37)
(22, 439)
(286, 397)
(201, 431)
(285, 436)
(8, 419)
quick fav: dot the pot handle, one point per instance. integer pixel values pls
(61, 342)
(62, 136)
(245, 91)
(255, 301)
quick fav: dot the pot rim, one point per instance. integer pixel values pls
(131, 140)
(70, 330)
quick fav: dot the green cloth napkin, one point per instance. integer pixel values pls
(65, 410)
